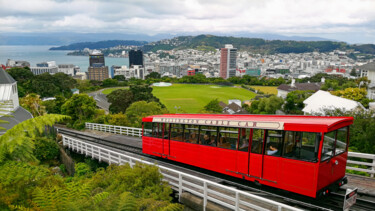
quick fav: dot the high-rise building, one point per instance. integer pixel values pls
(135, 57)
(96, 59)
(97, 73)
(228, 61)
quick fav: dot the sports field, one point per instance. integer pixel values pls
(266, 89)
(109, 90)
(192, 98)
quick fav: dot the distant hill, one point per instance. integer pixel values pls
(99, 45)
(257, 45)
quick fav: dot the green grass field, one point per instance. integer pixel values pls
(108, 91)
(192, 98)
(266, 89)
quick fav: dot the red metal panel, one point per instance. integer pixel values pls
(256, 163)
(271, 168)
(243, 162)
(298, 176)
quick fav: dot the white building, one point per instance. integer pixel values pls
(9, 97)
(369, 71)
(45, 67)
(136, 71)
(66, 68)
(321, 101)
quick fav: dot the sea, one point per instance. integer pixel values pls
(39, 53)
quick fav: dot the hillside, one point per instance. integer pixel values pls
(99, 45)
(256, 45)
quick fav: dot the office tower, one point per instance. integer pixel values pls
(135, 58)
(96, 59)
(98, 73)
(228, 61)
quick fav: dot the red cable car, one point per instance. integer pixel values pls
(302, 154)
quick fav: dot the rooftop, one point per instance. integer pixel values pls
(5, 78)
(290, 122)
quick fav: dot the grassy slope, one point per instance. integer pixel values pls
(109, 90)
(192, 98)
(266, 89)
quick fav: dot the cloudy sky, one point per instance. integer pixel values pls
(347, 20)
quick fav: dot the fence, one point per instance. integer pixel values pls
(210, 191)
(369, 167)
(128, 131)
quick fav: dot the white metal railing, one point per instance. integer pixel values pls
(129, 131)
(369, 166)
(132, 131)
(210, 191)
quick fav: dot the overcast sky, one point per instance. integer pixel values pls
(347, 20)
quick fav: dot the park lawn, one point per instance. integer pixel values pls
(192, 98)
(266, 89)
(108, 91)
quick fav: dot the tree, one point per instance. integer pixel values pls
(54, 106)
(21, 75)
(118, 119)
(155, 75)
(44, 85)
(294, 101)
(142, 92)
(120, 100)
(266, 105)
(119, 77)
(357, 94)
(140, 109)
(109, 82)
(213, 107)
(80, 108)
(353, 73)
(33, 103)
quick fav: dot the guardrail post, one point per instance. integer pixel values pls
(204, 196)
(237, 201)
(373, 166)
(100, 158)
(179, 187)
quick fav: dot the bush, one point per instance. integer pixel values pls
(46, 149)
(82, 169)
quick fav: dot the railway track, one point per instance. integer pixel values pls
(334, 201)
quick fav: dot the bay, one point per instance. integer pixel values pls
(39, 53)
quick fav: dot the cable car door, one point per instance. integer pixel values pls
(256, 153)
(166, 143)
(243, 152)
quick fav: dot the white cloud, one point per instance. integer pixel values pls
(198, 16)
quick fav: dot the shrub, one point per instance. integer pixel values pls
(46, 149)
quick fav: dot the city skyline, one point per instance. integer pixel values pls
(351, 21)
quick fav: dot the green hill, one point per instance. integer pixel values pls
(192, 98)
(256, 45)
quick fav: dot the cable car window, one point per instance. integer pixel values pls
(228, 138)
(244, 140)
(301, 145)
(328, 145)
(191, 133)
(257, 141)
(208, 135)
(157, 130)
(147, 129)
(342, 139)
(273, 144)
(177, 132)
